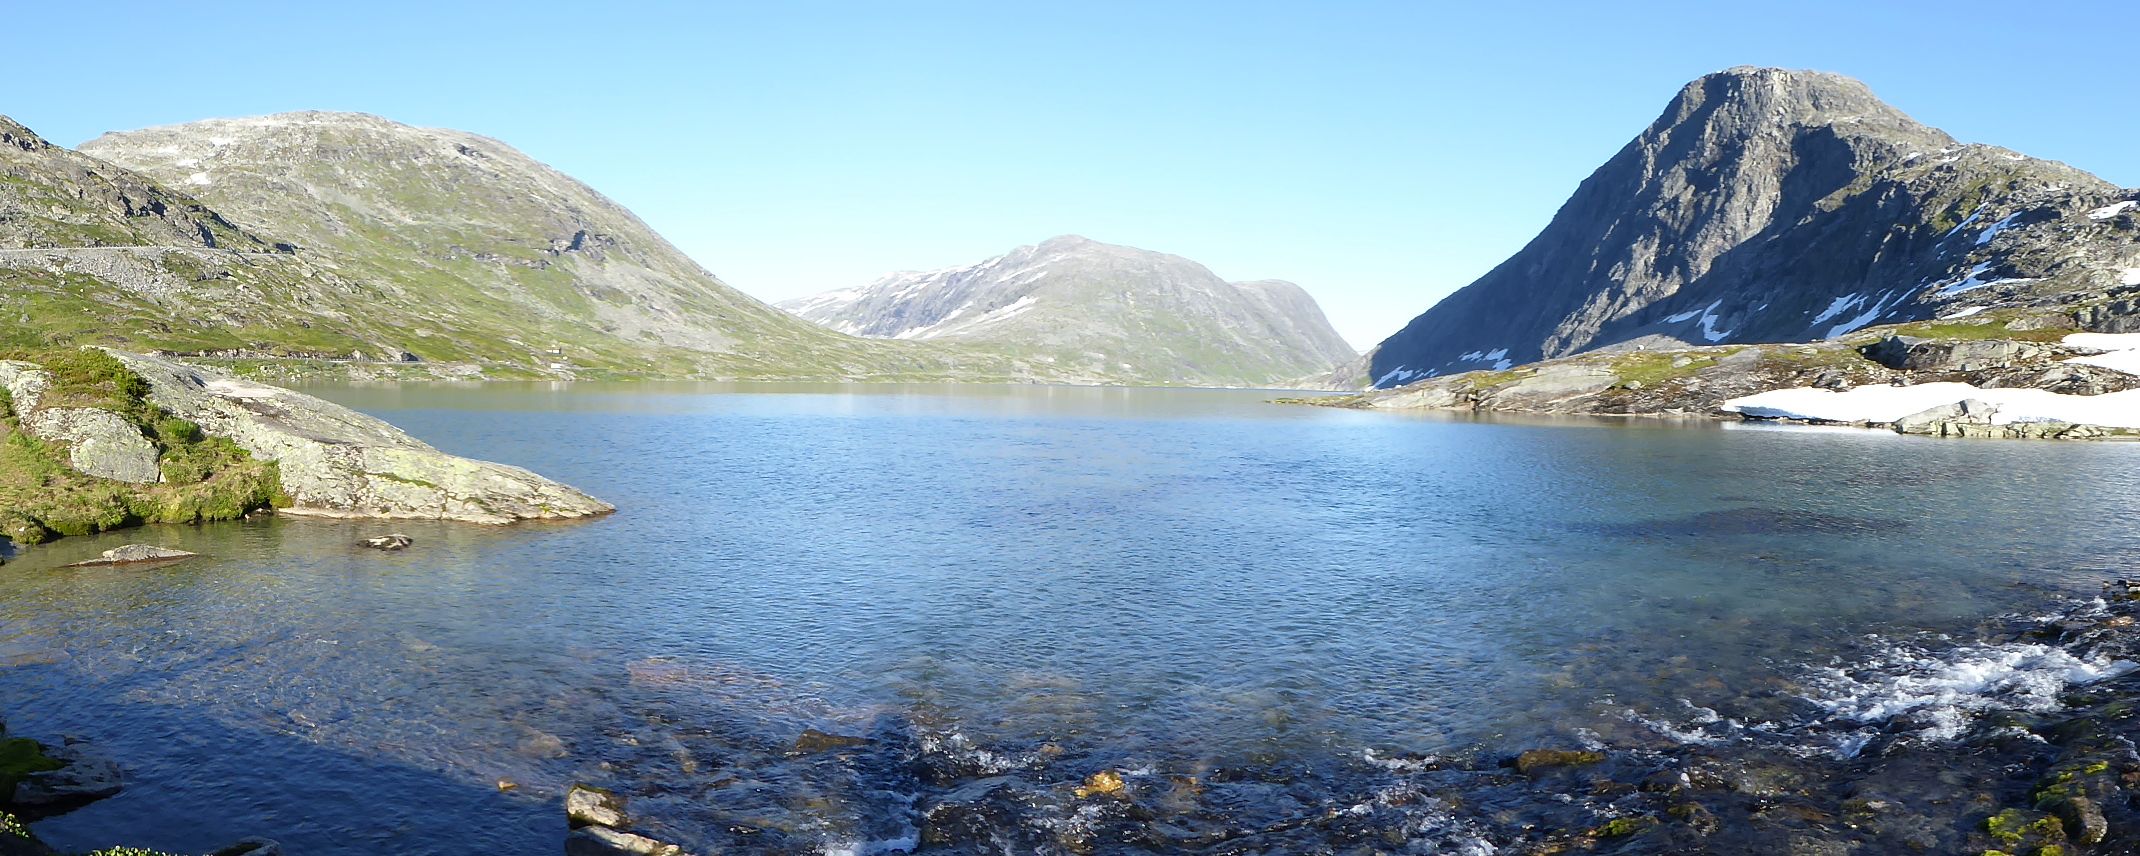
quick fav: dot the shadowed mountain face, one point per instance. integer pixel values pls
(1099, 311)
(1778, 206)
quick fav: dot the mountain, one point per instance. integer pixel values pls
(454, 247)
(1767, 206)
(90, 251)
(1099, 311)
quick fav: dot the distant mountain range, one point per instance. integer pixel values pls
(303, 238)
(1099, 310)
(1762, 206)
(1767, 205)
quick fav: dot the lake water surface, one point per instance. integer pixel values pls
(1015, 586)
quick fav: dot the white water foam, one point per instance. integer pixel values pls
(1942, 693)
(904, 844)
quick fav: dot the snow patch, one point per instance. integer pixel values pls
(1399, 374)
(1973, 215)
(2121, 351)
(1974, 280)
(1890, 403)
(1859, 320)
(1964, 313)
(1836, 308)
(1994, 229)
(198, 179)
(2108, 211)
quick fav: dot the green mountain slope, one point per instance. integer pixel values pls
(457, 248)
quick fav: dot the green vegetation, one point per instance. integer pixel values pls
(21, 756)
(41, 497)
(2014, 826)
(1484, 380)
(1996, 326)
(1650, 368)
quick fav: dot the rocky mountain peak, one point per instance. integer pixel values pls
(12, 133)
(1768, 205)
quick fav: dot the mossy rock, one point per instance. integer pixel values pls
(19, 757)
(205, 478)
(1542, 759)
(1621, 827)
(2025, 831)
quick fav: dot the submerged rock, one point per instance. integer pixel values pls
(251, 847)
(396, 541)
(598, 827)
(603, 841)
(336, 462)
(133, 554)
(586, 805)
(1541, 759)
(814, 741)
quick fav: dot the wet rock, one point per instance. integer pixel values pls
(984, 813)
(251, 847)
(396, 541)
(1665, 781)
(1105, 783)
(2082, 818)
(1762, 780)
(1542, 759)
(586, 805)
(1696, 816)
(2121, 590)
(542, 745)
(83, 776)
(814, 741)
(603, 841)
(134, 554)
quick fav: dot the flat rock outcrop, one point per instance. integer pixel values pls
(336, 462)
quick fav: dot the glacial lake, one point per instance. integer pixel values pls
(1005, 583)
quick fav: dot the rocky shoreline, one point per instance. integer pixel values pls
(1978, 380)
(146, 439)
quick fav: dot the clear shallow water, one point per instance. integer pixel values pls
(1040, 582)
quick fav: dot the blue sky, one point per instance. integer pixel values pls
(1380, 154)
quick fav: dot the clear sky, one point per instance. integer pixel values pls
(1379, 154)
